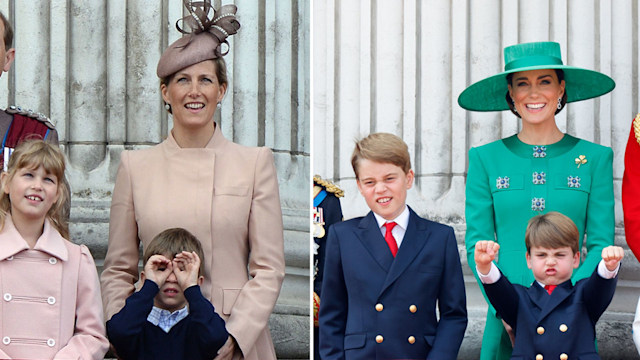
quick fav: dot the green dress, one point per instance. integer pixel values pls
(509, 182)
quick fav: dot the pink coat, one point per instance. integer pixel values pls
(227, 196)
(50, 307)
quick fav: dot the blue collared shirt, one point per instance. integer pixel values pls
(164, 319)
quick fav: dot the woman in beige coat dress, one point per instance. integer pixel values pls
(224, 193)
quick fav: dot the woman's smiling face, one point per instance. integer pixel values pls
(535, 94)
(193, 94)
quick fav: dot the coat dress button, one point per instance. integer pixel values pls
(6, 340)
(10, 258)
(564, 356)
(51, 300)
(51, 342)
(540, 330)
(379, 307)
(564, 328)
(539, 357)
(411, 339)
(53, 260)
(413, 308)
(379, 339)
(7, 297)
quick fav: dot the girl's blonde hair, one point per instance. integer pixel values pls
(32, 154)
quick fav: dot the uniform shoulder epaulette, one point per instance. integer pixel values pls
(13, 109)
(328, 186)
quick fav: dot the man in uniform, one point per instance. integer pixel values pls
(326, 212)
(17, 124)
(631, 188)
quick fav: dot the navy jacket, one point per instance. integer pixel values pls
(378, 307)
(197, 336)
(561, 323)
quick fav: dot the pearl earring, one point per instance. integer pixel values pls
(514, 106)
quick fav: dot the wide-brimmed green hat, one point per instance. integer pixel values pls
(489, 94)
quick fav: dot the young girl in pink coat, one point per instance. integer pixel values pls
(50, 306)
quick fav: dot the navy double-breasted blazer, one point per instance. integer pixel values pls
(551, 325)
(375, 306)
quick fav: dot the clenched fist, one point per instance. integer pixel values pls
(485, 253)
(612, 256)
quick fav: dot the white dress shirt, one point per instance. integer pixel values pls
(399, 230)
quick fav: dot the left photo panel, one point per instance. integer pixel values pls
(157, 173)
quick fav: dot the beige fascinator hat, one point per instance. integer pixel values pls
(205, 30)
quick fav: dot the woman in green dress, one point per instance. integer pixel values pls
(538, 170)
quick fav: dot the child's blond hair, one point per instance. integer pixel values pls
(381, 148)
(173, 241)
(552, 230)
(32, 154)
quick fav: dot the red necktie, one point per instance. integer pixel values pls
(550, 288)
(388, 237)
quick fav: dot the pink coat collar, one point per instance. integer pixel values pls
(50, 242)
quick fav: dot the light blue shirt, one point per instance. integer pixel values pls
(164, 319)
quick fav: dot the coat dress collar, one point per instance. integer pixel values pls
(217, 141)
(523, 150)
(50, 242)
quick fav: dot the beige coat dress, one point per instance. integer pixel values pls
(227, 196)
(50, 307)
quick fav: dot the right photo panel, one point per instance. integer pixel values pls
(477, 179)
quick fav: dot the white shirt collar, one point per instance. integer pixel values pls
(402, 220)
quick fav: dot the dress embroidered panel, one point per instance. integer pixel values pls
(539, 178)
(539, 151)
(573, 181)
(502, 182)
(537, 204)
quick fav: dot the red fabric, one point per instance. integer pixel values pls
(550, 288)
(24, 127)
(388, 237)
(631, 193)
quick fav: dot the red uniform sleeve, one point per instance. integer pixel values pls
(631, 191)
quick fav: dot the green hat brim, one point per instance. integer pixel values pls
(489, 94)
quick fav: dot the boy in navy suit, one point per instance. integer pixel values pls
(552, 319)
(387, 273)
